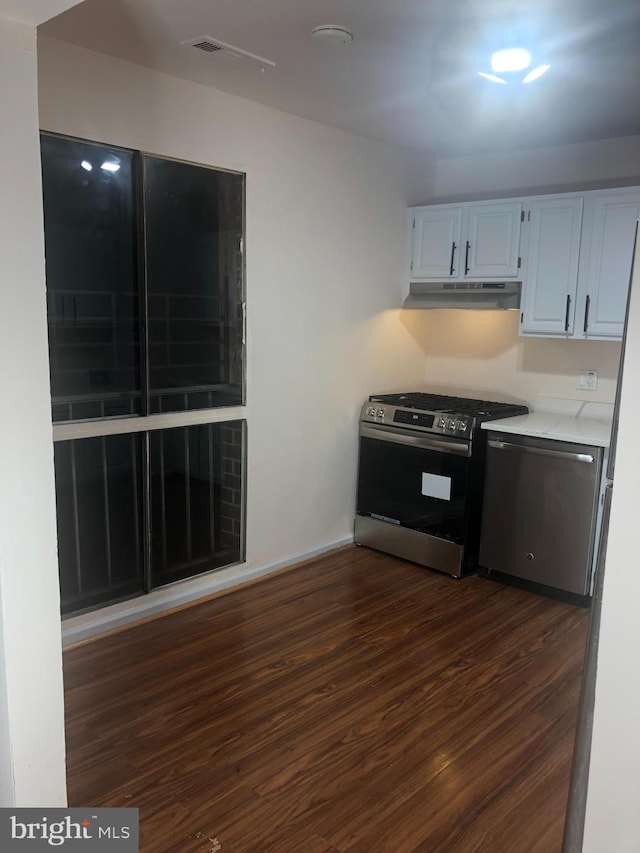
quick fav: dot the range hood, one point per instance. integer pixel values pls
(464, 294)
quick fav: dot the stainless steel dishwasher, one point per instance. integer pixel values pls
(540, 510)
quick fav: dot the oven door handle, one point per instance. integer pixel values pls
(406, 437)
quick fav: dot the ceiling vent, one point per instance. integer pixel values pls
(227, 52)
(207, 46)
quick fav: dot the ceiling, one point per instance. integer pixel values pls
(409, 76)
(32, 11)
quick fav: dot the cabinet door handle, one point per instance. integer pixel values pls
(466, 258)
(453, 252)
(566, 315)
(586, 314)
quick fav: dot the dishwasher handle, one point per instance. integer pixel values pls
(540, 451)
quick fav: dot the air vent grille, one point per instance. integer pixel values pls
(207, 46)
(228, 53)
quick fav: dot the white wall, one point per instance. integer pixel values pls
(613, 817)
(421, 176)
(325, 241)
(33, 12)
(482, 351)
(31, 708)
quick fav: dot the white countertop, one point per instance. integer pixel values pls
(582, 423)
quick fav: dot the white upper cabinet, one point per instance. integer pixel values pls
(608, 233)
(577, 263)
(550, 277)
(493, 239)
(435, 247)
(475, 240)
(572, 252)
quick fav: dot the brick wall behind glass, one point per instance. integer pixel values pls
(231, 510)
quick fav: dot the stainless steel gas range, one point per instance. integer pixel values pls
(421, 475)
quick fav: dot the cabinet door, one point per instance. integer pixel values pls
(551, 266)
(610, 227)
(493, 240)
(435, 249)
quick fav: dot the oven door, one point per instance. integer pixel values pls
(414, 480)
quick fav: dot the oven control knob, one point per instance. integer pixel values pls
(442, 423)
(380, 413)
(371, 412)
(462, 425)
(451, 423)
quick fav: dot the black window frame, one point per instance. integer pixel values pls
(146, 393)
(229, 485)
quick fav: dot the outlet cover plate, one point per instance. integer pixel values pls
(587, 380)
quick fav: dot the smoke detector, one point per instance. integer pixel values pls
(333, 33)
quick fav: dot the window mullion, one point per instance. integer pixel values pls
(143, 290)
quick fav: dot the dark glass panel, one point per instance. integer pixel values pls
(67, 517)
(194, 227)
(196, 499)
(98, 494)
(92, 290)
(391, 485)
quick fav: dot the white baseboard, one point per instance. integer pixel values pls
(87, 625)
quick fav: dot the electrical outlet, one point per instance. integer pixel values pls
(587, 380)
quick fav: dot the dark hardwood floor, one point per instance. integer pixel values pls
(355, 703)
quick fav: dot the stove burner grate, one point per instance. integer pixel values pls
(450, 405)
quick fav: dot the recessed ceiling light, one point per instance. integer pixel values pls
(512, 66)
(535, 73)
(493, 77)
(514, 59)
(86, 165)
(332, 33)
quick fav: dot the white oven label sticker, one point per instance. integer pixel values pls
(436, 486)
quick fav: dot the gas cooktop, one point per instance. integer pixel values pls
(442, 404)
(458, 417)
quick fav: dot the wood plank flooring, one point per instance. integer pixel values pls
(356, 703)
